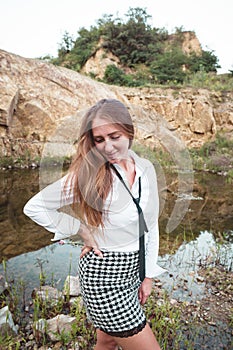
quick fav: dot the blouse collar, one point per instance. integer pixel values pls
(139, 166)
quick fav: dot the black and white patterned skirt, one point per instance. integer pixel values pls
(109, 289)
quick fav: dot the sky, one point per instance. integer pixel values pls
(34, 28)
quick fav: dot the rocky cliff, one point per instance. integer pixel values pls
(42, 104)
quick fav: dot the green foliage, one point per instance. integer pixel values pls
(168, 66)
(74, 54)
(229, 178)
(206, 62)
(6, 162)
(114, 75)
(146, 50)
(215, 156)
(170, 321)
(165, 321)
(133, 41)
(154, 155)
(201, 79)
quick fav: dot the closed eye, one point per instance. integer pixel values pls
(113, 136)
(98, 140)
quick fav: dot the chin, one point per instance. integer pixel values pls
(112, 161)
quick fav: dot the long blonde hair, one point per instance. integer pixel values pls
(90, 173)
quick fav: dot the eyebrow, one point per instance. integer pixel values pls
(110, 134)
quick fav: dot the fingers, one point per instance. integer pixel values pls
(86, 249)
(98, 252)
(143, 298)
(89, 241)
(144, 290)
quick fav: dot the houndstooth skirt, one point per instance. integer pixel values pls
(109, 288)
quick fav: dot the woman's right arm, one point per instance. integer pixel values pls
(89, 241)
(44, 209)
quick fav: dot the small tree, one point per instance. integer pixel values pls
(207, 61)
(168, 67)
(114, 75)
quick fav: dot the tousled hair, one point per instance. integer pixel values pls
(90, 173)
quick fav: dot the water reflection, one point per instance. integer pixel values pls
(22, 242)
(211, 209)
(189, 257)
(18, 235)
(57, 261)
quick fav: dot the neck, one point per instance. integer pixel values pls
(128, 166)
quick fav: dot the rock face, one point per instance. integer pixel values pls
(189, 42)
(34, 97)
(98, 63)
(41, 104)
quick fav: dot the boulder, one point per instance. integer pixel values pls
(54, 327)
(72, 286)
(7, 326)
(47, 294)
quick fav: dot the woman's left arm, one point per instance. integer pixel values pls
(145, 290)
(152, 244)
(152, 237)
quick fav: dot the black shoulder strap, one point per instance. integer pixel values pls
(142, 223)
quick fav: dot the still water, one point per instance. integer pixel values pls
(204, 234)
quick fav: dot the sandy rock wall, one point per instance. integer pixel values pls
(37, 99)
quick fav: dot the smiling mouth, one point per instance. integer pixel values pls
(111, 156)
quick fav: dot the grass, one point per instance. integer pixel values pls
(199, 80)
(165, 322)
(26, 161)
(165, 319)
(215, 156)
(169, 321)
(154, 155)
(210, 81)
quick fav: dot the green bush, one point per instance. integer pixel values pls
(137, 44)
(115, 76)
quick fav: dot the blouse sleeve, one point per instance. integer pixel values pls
(152, 245)
(44, 209)
(152, 249)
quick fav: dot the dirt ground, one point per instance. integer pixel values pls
(209, 322)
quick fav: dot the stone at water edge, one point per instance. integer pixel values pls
(6, 322)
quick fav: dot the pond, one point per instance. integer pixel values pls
(204, 233)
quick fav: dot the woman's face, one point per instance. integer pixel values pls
(110, 140)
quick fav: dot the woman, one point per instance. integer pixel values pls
(116, 210)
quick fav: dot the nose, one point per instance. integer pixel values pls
(108, 147)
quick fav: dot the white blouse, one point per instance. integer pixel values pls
(121, 231)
